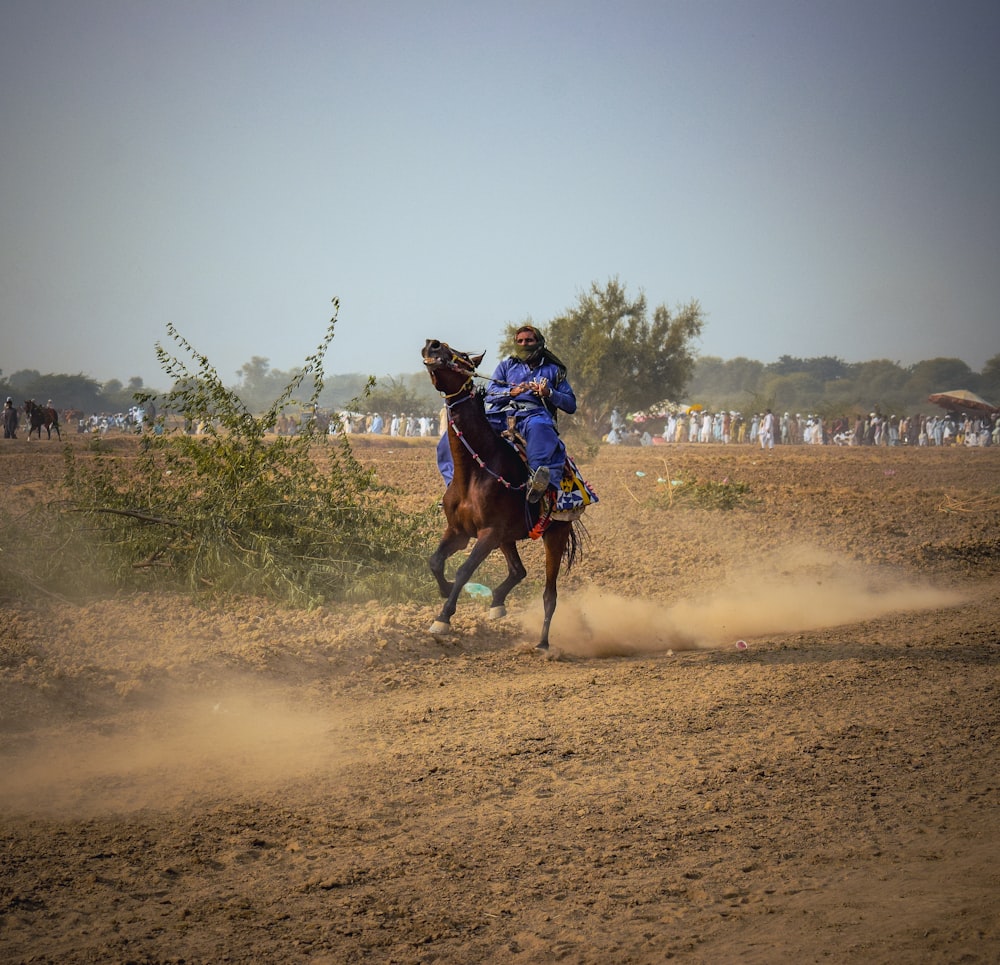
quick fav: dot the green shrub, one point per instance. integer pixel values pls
(236, 508)
(701, 494)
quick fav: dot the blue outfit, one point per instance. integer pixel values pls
(534, 421)
(444, 460)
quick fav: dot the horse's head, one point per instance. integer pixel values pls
(450, 371)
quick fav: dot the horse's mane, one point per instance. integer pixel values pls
(479, 401)
(477, 395)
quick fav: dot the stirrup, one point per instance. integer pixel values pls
(538, 483)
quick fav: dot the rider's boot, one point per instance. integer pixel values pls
(538, 483)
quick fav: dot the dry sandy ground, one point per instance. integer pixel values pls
(237, 783)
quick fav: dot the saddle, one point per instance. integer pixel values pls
(575, 493)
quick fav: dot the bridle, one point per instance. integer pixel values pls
(465, 388)
(462, 363)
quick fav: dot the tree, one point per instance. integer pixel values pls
(259, 383)
(733, 384)
(792, 391)
(341, 391)
(21, 381)
(989, 382)
(394, 395)
(825, 368)
(115, 396)
(617, 356)
(939, 375)
(786, 365)
(879, 386)
(66, 391)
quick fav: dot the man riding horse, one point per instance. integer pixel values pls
(490, 496)
(528, 387)
(41, 415)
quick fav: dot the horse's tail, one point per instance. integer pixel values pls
(574, 545)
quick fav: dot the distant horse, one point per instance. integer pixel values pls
(486, 497)
(41, 415)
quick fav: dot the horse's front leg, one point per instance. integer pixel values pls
(515, 573)
(450, 544)
(484, 546)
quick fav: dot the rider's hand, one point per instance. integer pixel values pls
(539, 388)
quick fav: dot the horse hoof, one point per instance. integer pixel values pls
(439, 629)
(498, 612)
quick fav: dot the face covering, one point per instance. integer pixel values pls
(529, 353)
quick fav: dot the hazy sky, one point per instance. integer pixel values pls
(824, 177)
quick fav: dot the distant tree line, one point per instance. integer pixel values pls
(830, 387)
(70, 391)
(257, 385)
(618, 353)
(824, 386)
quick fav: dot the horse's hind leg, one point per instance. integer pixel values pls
(555, 546)
(515, 573)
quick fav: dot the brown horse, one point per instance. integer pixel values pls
(41, 415)
(486, 497)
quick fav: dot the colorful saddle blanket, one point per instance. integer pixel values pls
(574, 491)
(575, 495)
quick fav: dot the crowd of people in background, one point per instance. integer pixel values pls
(765, 429)
(134, 419)
(768, 429)
(394, 424)
(138, 418)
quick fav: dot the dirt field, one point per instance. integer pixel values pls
(236, 783)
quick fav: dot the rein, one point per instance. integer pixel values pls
(482, 378)
(455, 363)
(466, 397)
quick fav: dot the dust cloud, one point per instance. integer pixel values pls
(801, 588)
(182, 750)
